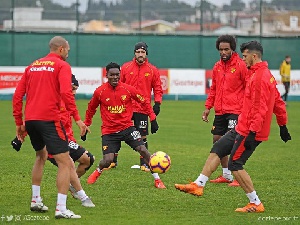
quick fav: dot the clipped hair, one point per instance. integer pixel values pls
(112, 65)
(252, 46)
(227, 39)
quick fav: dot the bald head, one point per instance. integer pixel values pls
(57, 42)
(60, 46)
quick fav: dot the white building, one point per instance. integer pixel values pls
(30, 19)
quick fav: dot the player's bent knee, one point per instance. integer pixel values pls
(92, 160)
(235, 166)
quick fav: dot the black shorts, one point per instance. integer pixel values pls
(111, 143)
(76, 151)
(140, 121)
(47, 133)
(224, 123)
(232, 144)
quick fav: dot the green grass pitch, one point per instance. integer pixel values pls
(128, 196)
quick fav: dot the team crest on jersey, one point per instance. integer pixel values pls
(140, 97)
(131, 73)
(107, 99)
(232, 70)
(123, 97)
(272, 80)
(147, 74)
(105, 147)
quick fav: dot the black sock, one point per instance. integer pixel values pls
(142, 161)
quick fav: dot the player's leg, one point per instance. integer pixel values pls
(38, 167)
(287, 90)
(132, 137)
(219, 150)
(141, 124)
(82, 156)
(57, 145)
(75, 183)
(111, 144)
(220, 127)
(238, 158)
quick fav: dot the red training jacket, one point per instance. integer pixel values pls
(228, 85)
(262, 99)
(66, 120)
(144, 78)
(116, 107)
(45, 83)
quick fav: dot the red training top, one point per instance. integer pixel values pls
(116, 107)
(262, 99)
(45, 83)
(228, 86)
(144, 78)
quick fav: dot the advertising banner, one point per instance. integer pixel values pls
(89, 79)
(187, 82)
(9, 78)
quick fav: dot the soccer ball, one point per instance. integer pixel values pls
(160, 162)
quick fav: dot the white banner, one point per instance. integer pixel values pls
(89, 79)
(295, 82)
(187, 81)
(180, 81)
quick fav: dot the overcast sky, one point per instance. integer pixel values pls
(83, 3)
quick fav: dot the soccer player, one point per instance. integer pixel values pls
(261, 100)
(116, 106)
(226, 96)
(145, 77)
(77, 152)
(45, 83)
(285, 73)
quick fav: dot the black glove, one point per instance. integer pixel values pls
(154, 126)
(16, 144)
(84, 136)
(250, 142)
(156, 108)
(284, 133)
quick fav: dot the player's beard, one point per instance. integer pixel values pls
(140, 59)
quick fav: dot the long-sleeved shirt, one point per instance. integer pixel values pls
(145, 78)
(228, 86)
(116, 107)
(285, 71)
(262, 99)
(45, 83)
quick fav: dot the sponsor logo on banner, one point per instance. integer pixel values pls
(9, 79)
(187, 81)
(208, 80)
(164, 77)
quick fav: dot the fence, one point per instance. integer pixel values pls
(165, 51)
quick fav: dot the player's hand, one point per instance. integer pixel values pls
(16, 144)
(83, 128)
(250, 142)
(21, 133)
(154, 126)
(284, 133)
(205, 115)
(156, 108)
